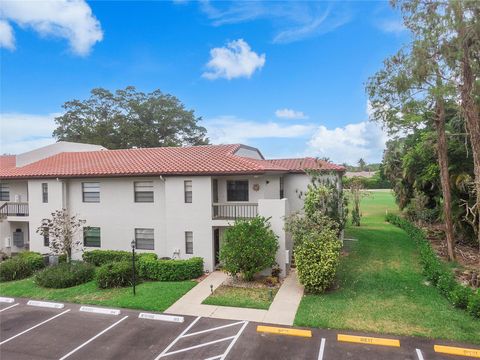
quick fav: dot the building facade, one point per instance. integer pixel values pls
(176, 202)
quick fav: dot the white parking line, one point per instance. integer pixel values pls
(322, 349)
(93, 338)
(224, 355)
(178, 337)
(33, 327)
(198, 346)
(9, 307)
(213, 329)
(419, 354)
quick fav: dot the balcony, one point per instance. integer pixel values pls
(234, 211)
(13, 209)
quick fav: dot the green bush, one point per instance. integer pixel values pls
(115, 274)
(102, 257)
(21, 266)
(436, 271)
(317, 259)
(473, 306)
(248, 247)
(65, 275)
(149, 268)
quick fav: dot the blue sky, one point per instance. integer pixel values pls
(287, 77)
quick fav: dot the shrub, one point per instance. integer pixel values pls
(21, 266)
(115, 274)
(149, 268)
(317, 260)
(102, 257)
(437, 272)
(249, 246)
(473, 306)
(65, 275)
(301, 226)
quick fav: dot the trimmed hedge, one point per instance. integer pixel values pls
(115, 274)
(170, 270)
(65, 275)
(21, 266)
(102, 257)
(437, 272)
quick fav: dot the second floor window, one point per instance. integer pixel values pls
(4, 192)
(91, 237)
(91, 191)
(144, 239)
(45, 192)
(143, 191)
(237, 190)
(187, 184)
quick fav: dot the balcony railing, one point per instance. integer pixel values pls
(233, 211)
(14, 209)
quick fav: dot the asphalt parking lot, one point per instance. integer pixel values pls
(69, 332)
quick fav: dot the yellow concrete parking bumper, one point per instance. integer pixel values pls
(284, 331)
(457, 351)
(368, 340)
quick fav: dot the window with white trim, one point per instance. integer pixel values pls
(188, 242)
(144, 239)
(187, 184)
(91, 237)
(91, 192)
(45, 192)
(4, 192)
(143, 191)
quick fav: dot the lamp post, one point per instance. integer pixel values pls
(133, 263)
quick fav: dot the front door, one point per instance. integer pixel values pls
(216, 245)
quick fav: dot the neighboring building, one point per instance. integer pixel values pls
(363, 174)
(174, 201)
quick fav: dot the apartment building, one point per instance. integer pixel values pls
(174, 201)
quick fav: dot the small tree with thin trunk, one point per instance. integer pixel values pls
(357, 193)
(62, 230)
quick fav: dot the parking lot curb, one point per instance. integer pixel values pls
(368, 340)
(46, 304)
(451, 350)
(284, 331)
(6, 300)
(97, 310)
(161, 317)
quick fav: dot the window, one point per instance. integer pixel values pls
(187, 184)
(91, 237)
(188, 242)
(4, 192)
(282, 192)
(18, 239)
(143, 191)
(45, 192)
(91, 191)
(46, 238)
(144, 239)
(237, 190)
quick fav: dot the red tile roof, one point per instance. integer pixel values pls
(193, 160)
(7, 161)
(301, 164)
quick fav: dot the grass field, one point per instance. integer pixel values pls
(381, 288)
(154, 296)
(255, 298)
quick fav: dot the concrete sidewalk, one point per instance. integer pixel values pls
(282, 311)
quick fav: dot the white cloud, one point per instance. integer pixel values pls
(230, 129)
(348, 143)
(394, 26)
(232, 61)
(24, 132)
(290, 114)
(69, 19)
(7, 39)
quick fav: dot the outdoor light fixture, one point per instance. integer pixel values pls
(133, 263)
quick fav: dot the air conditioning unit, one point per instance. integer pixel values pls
(8, 242)
(287, 256)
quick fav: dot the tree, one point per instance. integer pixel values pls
(248, 247)
(62, 232)
(356, 191)
(128, 118)
(361, 164)
(416, 81)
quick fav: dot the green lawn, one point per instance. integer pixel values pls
(382, 289)
(154, 296)
(256, 298)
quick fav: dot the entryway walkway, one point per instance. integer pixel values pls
(282, 310)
